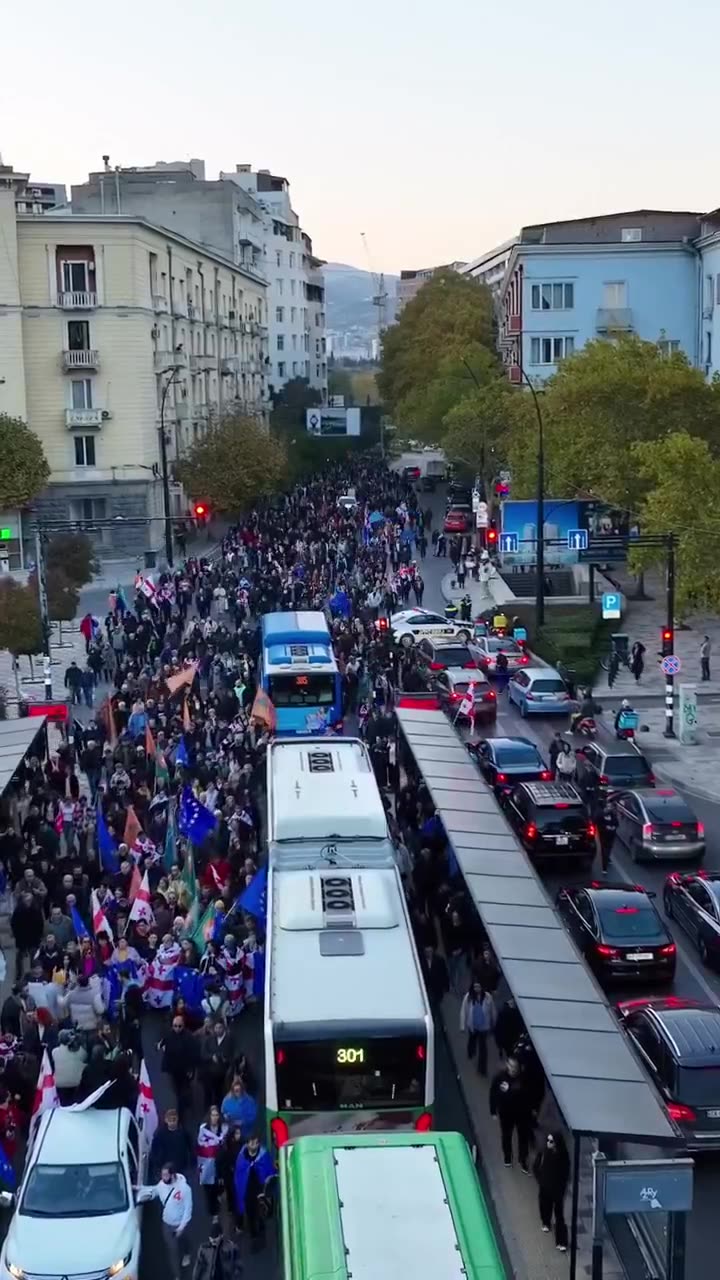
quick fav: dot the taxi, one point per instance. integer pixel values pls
(414, 624)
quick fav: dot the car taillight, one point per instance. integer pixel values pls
(668, 950)
(530, 697)
(502, 777)
(606, 952)
(436, 666)
(651, 777)
(530, 831)
(603, 779)
(489, 696)
(469, 665)
(701, 830)
(279, 1131)
(279, 1057)
(678, 1111)
(591, 829)
(647, 830)
(455, 697)
(524, 659)
(546, 776)
(423, 1124)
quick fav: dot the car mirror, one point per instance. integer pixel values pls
(7, 1199)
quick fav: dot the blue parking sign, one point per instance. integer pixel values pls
(611, 604)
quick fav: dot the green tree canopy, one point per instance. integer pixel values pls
(62, 593)
(450, 318)
(234, 464)
(291, 401)
(73, 554)
(20, 631)
(24, 471)
(474, 431)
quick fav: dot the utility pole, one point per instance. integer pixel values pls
(44, 613)
(540, 531)
(167, 515)
(670, 605)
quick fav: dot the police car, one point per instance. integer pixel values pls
(412, 624)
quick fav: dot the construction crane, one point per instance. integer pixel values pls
(380, 295)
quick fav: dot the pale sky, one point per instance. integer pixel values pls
(437, 128)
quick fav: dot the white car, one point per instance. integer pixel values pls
(413, 624)
(75, 1210)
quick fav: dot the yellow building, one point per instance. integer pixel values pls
(107, 325)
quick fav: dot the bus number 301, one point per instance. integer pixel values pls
(347, 1057)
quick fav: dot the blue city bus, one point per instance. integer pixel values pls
(299, 672)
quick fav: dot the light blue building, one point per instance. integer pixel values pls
(651, 273)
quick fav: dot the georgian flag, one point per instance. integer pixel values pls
(46, 1095)
(100, 922)
(468, 702)
(146, 586)
(141, 908)
(146, 1112)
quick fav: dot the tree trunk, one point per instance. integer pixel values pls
(60, 634)
(640, 593)
(32, 669)
(16, 673)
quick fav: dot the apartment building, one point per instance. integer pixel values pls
(411, 282)
(296, 301)
(110, 326)
(35, 196)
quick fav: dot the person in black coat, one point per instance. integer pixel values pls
(552, 1170)
(435, 971)
(510, 1102)
(508, 1028)
(27, 923)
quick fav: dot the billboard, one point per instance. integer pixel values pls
(329, 420)
(520, 518)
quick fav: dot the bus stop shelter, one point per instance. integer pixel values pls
(598, 1083)
(16, 739)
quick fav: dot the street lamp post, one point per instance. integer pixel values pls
(164, 471)
(540, 536)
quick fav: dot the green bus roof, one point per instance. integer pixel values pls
(367, 1206)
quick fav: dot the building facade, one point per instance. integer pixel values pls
(32, 196)
(296, 300)
(110, 326)
(411, 282)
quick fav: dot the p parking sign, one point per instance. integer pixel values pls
(611, 605)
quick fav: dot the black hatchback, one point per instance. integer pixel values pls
(504, 762)
(551, 820)
(620, 933)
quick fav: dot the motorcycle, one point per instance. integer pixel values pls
(584, 726)
(626, 726)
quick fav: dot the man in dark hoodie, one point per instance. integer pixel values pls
(170, 1145)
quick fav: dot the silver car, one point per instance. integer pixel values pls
(658, 824)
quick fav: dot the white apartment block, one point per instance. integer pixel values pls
(296, 299)
(107, 324)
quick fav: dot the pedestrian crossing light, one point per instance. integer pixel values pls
(667, 641)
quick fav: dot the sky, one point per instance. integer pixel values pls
(436, 129)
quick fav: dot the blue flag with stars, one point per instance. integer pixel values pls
(195, 820)
(181, 755)
(254, 898)
(7, 1173)
(109, 860)
(78, 924)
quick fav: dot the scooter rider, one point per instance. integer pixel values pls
(625, 718)
(588, 709)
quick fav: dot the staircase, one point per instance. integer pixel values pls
(558, 582)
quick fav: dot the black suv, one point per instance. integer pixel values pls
(551, 820)
(678, 1043)
(614, 766)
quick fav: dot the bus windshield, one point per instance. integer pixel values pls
(349, 1074)
(302, 689)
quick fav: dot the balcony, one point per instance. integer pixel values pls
(160, 302)
(514, 324)
(84, 418)
(515, 374)
(613, 320)
(191, 310)
(199, 363)
(230, 364)
(81, 360)
(182, 411)
(77, 301)
(201, 412)
(166, 360)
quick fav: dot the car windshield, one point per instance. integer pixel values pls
(559, 820)
(668, 809)
(629, 923)
(457, 656)
(495, 645)
(630, 766)
(699, 1086)
(548, 686)
(75, 1191)
(518, 753)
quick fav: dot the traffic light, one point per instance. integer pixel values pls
(200, 511)
(667, 642)
(491, 537)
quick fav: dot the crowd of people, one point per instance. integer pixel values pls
(132, 855)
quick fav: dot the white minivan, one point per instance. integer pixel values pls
(75, 1210)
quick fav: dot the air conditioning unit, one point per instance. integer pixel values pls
(106, 415)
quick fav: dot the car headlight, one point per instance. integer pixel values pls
(17, 1272)
(114, 1270)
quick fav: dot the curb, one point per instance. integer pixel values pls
(700, 792)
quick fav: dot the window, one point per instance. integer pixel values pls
(317, 370)
(708, 347)
(84, 451)
(294, 342)
(630, 235)
(78, 335)
(279, 283)
(294, 367)
(614, 294)
(292, 288)
(668, 346)
(281, 369)
(291, 258)
(81, 393)
(279, 315)
(278, 257)
(317, 320)
(717, 288)
(75, 277)
(281, 342)
(552, 297)
(75, 1191)
(550, 350)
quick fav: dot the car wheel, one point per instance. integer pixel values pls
(668, 905)
(523, 710)
(464, 636)
(703, 951)
(406, 641)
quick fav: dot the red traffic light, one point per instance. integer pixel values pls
(667, 633)
(199, 510)
(492, 536)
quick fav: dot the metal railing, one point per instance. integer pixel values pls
(77, 300)
(89, 359)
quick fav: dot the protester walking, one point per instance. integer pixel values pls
(209, 1141)
(510, 1102)
(552, 1170)
(705, 651)
(477, 1018)
(175, 1196)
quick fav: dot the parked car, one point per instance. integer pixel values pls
(75, 1209)
(694, 902)
(613, 766)
(411, 473)
(457, 520)
(485, 650)
(619, 931)
(459, 495)
(678, 1043)
(440, 654)
(453, 686)
(504, 762)
(410, 625)
(658, 823)
(538, 690)
(551, 820)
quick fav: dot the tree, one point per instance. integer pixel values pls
(447, 319)
(291, 401)
(682, 479)
(73, 554)
(25, 470)
(20, 630)
(234, 464)
(474, 430)
(340, 383)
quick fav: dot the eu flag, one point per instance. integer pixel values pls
(109, 860)
(7, 1173)
(181, 755)
(78, 924)
(254, 898)
(195, 820)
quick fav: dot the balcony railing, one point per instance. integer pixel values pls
(81, 359)
(182, 410)
(83, 418)
(200, 362)
(166, 360)
(230, 364)
(160, 302)
(613, 319)
(77, 301)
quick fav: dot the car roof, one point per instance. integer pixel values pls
(692, 1028)
(68, 1137)
(711, 880)
(465, 673)
(619, 749)
(539, 672)
(552, 793)
(616, 895)
(657, 800)
(513, 742)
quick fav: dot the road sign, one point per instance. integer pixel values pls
(475, 499)
(508, 542)
(611, 605)
(577, 539)
(482, 518)
(671, 664)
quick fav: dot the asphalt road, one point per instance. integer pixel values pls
(691, 979)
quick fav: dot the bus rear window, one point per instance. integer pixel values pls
(349, 1074)
(302, 689)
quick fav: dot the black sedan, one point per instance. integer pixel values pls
(504, 762)
(619, 931)
(694, 902)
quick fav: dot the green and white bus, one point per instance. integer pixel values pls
(376, 1207)
(348, 1033)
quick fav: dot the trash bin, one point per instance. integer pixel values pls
(620, 644)
(150, 558)
(451, 612)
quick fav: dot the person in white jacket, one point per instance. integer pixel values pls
(477, 1018)
(175, 1196)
